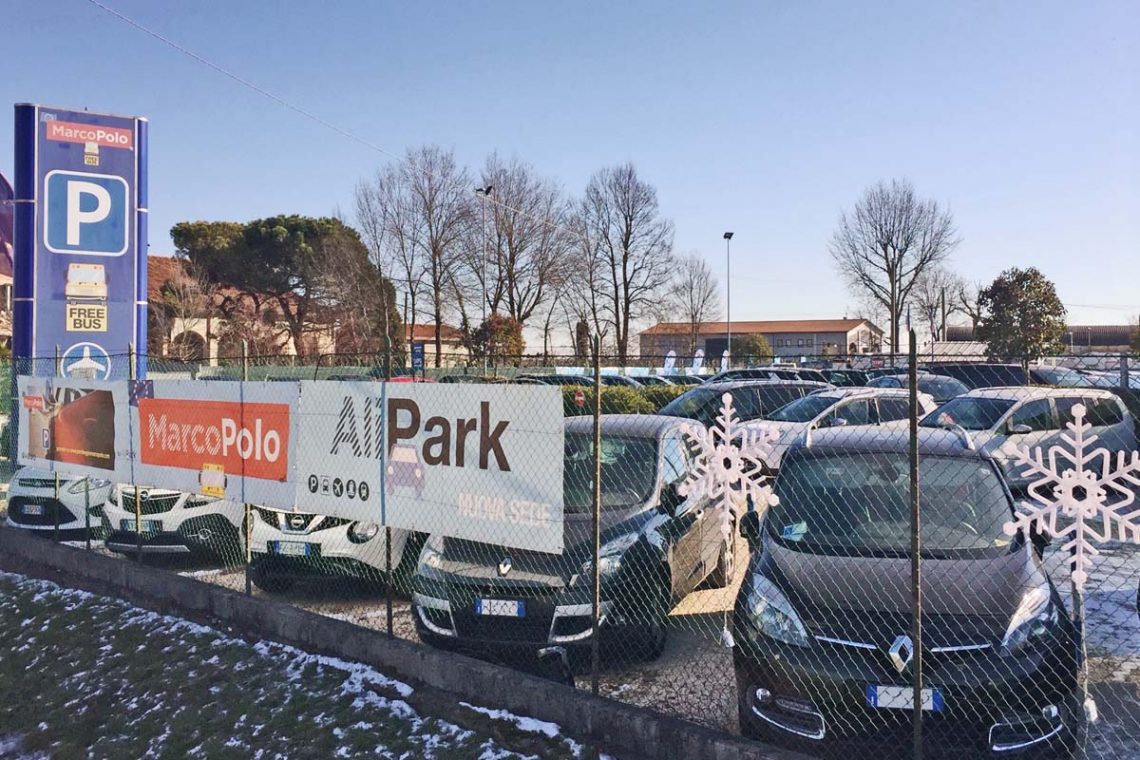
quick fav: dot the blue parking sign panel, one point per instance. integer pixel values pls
(79, 286)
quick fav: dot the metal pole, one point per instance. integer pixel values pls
(131, 371)
(383, 484)
(58, 361)
(483, 259)
(728, 290)
(87, 513)
(55, 509)
(597, 580)
(915, 549)
(248, 511)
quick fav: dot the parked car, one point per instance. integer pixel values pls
(556, 379)
(846, 378)
(841, 407)
(33, 506)
(772, 372)
(619, 380)
(822, 623)
(978, 375)
(656, 547)
(172, 522)
(289, 546)
(1034, 417)
(646, 380)
(941, 388)
(752, 399)
(677, 379)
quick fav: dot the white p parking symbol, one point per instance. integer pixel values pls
(86, 214)
(76, 216)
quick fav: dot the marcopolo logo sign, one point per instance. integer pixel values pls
(110, 137)
(247, 438)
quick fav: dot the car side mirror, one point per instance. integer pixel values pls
(671, 498)
(1019, 429)
(750, 527)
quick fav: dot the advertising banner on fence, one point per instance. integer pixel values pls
(477, 461)
(226, 439)
(77, 427)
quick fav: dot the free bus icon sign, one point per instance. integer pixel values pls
(86, 214)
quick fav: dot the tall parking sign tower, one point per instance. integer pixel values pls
(80, 282)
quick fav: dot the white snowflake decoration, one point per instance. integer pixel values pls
(1079, 493)
(724, 452)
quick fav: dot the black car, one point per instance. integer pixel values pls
(822, 624)
(752, 399)
(978, 375)
(845, 378)
(773, 372)
(656, 548)
(582, 381)
(676, 379)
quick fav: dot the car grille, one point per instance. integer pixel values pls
(150, 505)
(41, 482)
(18, 513)
(941, 633)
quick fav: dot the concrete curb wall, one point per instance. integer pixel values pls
(617, 727)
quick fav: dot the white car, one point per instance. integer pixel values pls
(173, 522)
(32, 503)
(841, 407)
(1034, 417)
(287, 546)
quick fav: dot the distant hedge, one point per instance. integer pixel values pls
(620, 400)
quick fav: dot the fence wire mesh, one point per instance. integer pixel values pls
(753, 549)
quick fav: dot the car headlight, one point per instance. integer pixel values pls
(363, 531)
(83, 484)
(1035, 617)
(772, 615)
(610, 556)
(431, 556)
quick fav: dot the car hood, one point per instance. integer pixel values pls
(477, 560)
(868, 599)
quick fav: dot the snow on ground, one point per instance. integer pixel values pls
(97, 677)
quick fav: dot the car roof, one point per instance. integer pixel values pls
(727, 385)
(1020, 393)
(630, 425)
(886, 440)
(863, 391)
(923, 374)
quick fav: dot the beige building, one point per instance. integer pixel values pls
(790, 339)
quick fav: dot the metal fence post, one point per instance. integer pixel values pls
(915, 548)
(1124, 377)
(131, 369)
(55, 509)
(248, 512)
(597, 510)
(383, 490)
(87, 513)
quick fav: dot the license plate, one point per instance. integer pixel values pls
(500, 608)
(148, 526)
(902, 698)
(289, 548)
(33, 509)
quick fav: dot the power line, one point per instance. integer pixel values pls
(298, 109)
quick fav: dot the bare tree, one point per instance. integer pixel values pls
(885, 244)
(627, 248)
(936, 296)
(969, 302)
(694, 295)
(528, 239)
(184, 307)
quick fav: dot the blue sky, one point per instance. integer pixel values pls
(766, 118)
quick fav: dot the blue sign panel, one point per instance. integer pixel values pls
(80, 258)
(417, 355)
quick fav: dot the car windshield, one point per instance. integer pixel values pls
(698, 404)
(805, 409)
(968, 412)
(857, 503)
(629, 471)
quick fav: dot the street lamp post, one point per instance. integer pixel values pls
(483, 193)
(728, 289)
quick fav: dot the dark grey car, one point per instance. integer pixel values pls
(656, 547)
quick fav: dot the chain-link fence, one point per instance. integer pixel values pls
(805, 553)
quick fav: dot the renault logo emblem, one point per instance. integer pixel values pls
(902, 651)
(504, 565)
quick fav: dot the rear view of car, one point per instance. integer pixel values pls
(162, 521)
(33, 504)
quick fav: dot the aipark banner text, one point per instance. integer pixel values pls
(479, 462)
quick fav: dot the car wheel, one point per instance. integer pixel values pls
(725, 570)
(269, 583)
